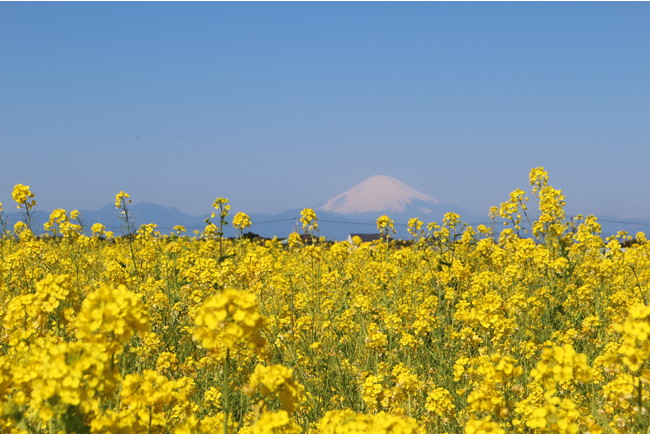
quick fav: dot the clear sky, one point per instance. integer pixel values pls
(284, 105)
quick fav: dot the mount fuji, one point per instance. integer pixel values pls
(380, 194)
(385, 195)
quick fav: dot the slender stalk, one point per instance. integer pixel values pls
(129, 234)
(638, 285)
(639, 390)
(28, 217)
(226, 394)
(220, 243)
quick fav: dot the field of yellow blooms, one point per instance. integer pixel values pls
(539, 325)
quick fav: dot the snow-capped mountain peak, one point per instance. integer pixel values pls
(378, 193)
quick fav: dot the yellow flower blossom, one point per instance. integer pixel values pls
(121, 199)
(111, 316)
(309, 220)
(277, 380)
(23, 196)
(228, 319)
(241, 221)
(385, 225)
(275, 422)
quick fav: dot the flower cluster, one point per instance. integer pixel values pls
(122, 199)
(385, 225)
(309, 220)
(277, 380)
(241, 221)
(23, 197)
(111, 316)
(227, 320)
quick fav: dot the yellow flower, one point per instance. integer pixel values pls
(562, 365)
(538, 178)
(385, 225)
(149, 400)
(20, 227)
(277, 380)
(228, 319)
(439, 401)
(121, 199)
(294, 239)
(309, 220)
(111, 316)
(97, 228)
(483, 426)
(52, 375)
(373, 392)
(221, 204)
(241, 221)
(219, 201)
(375, 339)
(275, 423)
(635, 347)
(22, 195)
(349, 422)
(57, 218)
(415, 227)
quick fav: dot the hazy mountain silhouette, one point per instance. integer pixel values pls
(353, 211)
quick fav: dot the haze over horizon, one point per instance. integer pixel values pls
(280, 106)
(353, 211)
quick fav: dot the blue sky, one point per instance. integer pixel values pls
(284, 105)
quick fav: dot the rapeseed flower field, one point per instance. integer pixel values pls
(535, 325)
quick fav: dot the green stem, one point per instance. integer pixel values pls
(130, 232)
(28, 217)
(638, 285)
(638, 396)
(226, 395)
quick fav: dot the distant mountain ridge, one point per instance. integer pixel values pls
(354, 211)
